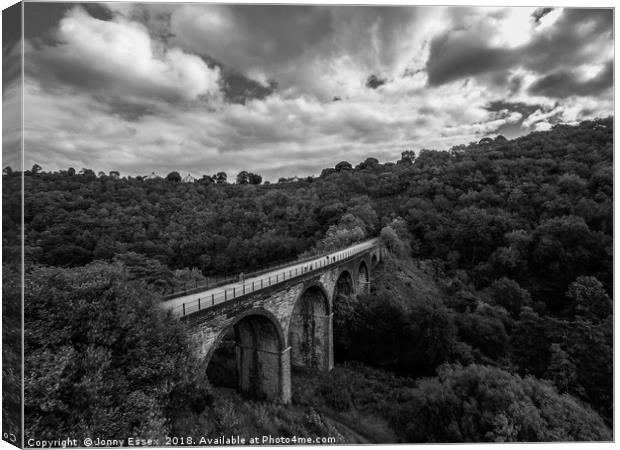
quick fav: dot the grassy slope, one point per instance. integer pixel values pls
(406, 280)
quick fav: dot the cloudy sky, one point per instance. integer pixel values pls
(289, 90)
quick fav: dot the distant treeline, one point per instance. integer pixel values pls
(537, 209)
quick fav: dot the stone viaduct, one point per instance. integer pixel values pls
(287, 323)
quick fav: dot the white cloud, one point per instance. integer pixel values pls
(275, 137)
(119, 56)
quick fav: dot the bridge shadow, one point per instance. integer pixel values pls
(250, 356)
(222, 369)
(310, 330)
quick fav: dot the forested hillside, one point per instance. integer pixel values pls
(500, 273)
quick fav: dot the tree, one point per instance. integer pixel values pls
(206, 179)
(562, 372)
(486, 404)
(71, 171)
(590, 347)
(563, 248)
(343, 165)
(100, 357)
(348, 230)
(530, 343)
(368, 163)
(87, 173)
(36, 168)
(105, 248)
(174, 177)
(243, 177)
(369, 327)
(220, 178)
(392, 242)
(7, 171)
(12, 334)
(365, 212)
(483, 332)
(508, 294)
(589, 298)
(254, 178)
(408, 156)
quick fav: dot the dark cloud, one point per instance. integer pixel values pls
(11, 44)
(156, 17)
(572, 40)
(455, 55)
(522, 108)
(503, 108)
(564, 83)
(540, 13)
(127, 110)
(239, 89)
(41, 19)
(11, 26)
(373, 82)
(514, 83)
(276, 32)
(575, 38)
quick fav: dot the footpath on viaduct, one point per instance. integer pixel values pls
(281, 318)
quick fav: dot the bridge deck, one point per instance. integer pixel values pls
(192, 303)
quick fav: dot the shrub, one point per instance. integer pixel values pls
(479, 403)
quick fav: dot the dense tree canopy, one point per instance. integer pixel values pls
(478, 404)
(517, 233)
(101, 360)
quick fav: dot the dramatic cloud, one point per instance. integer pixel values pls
(457, 54)
(373, 82)
(572, 37)
(119, 57)
(564, 83)
(290, 90)
(540, 13)
(323, 50)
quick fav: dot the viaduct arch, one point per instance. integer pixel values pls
(284, 324)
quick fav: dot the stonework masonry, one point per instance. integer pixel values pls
(287, 324)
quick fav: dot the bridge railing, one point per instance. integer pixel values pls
(218, 281)
(248, 287)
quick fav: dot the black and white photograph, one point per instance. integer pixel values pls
(233, 224)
